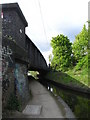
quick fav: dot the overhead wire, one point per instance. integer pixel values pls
(42, 21)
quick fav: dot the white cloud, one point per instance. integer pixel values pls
(46, 55)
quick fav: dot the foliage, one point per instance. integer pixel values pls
(62, 51)
(34, 74)
(13, 103)
(71, 78)
(74, 56)
(80, 45)
(83, 111)
(83, 63)
(78, 103)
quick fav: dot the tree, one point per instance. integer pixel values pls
(80, 44)
(62, 51)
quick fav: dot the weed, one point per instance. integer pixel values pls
(13, 103)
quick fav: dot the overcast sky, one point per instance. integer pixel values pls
(48, 18)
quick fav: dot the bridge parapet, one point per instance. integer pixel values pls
(36, 59)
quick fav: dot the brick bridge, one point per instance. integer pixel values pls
(14, 24)
(19, 54)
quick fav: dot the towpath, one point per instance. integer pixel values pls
(43, 104)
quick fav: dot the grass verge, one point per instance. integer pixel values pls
(72, 78)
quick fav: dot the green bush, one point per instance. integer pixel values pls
(13, 103)
(83, 63)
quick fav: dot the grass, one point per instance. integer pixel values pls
(80, 75)
(71, 77)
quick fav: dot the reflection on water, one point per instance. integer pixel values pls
(79, 103)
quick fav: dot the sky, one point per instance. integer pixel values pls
(49, 18)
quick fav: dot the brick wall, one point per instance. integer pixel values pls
(7, 74)
(13, 26)
(14, 78)
(21, 81)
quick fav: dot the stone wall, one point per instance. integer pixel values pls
(36, 59)
(13, 26)
(14, 78)
(18, 52)
(7, 74)
(14, 74)
(21, 82)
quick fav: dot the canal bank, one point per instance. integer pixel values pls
(78, 102)
(69, 87)
(64, 80)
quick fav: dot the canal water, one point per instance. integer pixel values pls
(78, 102)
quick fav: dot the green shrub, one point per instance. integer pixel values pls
(83, 63)
(13, 103)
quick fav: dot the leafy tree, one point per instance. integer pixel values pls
(80, 44)
(89, 50)
(62, 51)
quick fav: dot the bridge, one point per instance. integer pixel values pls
(19, 54)
(14, 24)
(36, 59)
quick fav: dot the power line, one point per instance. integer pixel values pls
(42, 20)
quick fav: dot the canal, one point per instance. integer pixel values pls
(78, 102)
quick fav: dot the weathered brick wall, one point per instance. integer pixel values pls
(7, 74)
(21, 81)
(14, 78)
(13, 26)
(14, 74)
(36, 59)
(17, 49)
